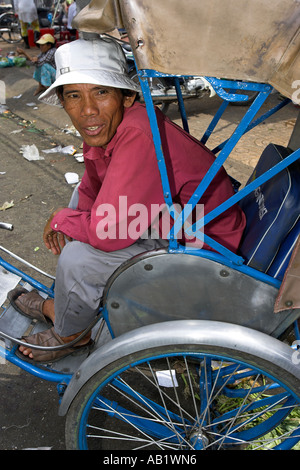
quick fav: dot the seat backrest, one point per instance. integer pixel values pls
(272, 210)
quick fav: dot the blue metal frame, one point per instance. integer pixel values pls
(37, 371)
(10, 355)
(26, 278)
(225, 149)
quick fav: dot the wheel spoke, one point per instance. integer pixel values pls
(207, 402)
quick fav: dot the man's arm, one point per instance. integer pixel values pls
(131, 177)
(54, 240)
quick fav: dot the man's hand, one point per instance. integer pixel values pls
(54, 241)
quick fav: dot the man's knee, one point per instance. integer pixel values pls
(70, 255)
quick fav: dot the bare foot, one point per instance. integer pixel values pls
(28, 352)
(48, 311)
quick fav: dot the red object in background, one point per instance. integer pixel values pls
(42, 31)
(66, 36)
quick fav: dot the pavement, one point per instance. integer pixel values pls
(33, 189)
(29, 406)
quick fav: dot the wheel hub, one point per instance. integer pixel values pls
(199, 440)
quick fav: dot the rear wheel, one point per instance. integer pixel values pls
(10, 26)
(188, 396)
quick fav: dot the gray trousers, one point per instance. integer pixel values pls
(81, 275)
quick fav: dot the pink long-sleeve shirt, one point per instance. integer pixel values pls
(121, 194)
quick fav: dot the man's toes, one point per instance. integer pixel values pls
(25, 351)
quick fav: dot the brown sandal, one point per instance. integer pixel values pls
(30, 304)
(49, 338)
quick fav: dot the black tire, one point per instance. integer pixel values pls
(11, 22)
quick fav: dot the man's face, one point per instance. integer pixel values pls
(96, 111)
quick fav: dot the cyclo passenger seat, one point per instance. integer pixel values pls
(272, 214)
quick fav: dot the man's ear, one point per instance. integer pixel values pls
(129, 100)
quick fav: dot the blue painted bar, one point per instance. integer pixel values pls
(32, 369)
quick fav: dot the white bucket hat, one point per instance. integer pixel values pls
(97, 61)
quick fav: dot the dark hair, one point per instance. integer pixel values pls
(126, 92)
(60, 92)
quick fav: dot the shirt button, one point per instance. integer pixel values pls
(55, 226)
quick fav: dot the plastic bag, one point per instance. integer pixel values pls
(6, 62)
(30, 152)
(19, 61)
